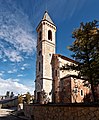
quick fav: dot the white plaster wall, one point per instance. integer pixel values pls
(63, 73)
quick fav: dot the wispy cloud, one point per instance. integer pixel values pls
(65, 9)
(14, 86)
(12, 71)
(22, 68)
(14, 56)
(1, 73)
(16, 33)
(25, 65)
(20, 75)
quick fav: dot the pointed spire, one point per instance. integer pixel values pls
(47, 17)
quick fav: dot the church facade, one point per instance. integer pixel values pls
(59, 86)
(67, 87)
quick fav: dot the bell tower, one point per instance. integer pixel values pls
(45, 48)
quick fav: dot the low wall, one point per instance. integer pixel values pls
(62, 112)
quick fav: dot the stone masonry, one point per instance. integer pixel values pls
(62, 112)
(45, 48)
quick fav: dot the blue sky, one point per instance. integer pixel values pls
(18, 22)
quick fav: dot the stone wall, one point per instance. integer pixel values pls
(62, 112)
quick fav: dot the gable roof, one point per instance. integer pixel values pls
(66, 58)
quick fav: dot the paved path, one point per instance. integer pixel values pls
(5, 114)
(9, 117)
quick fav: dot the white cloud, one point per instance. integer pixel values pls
(1, 73)
(16, 32)
(4, 60)
(20, 75)
(13, 56)
(12, 71)
(25, 65)
(22, 68)
(14, 86)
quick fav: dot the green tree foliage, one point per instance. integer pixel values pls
(85, 50)
(28, 98)
(20, 99)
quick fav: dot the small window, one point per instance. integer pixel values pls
(55, 72)
(39, 52)
(39, 66)
(40, 36)
(75, 90)
(81, 92)
(50, 35)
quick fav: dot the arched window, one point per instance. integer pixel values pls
(40, 35)
(50, 35)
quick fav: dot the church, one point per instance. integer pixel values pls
(60, 86)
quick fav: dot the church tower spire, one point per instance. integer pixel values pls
(45, 48)
(47, 17)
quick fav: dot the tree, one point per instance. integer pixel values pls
(44, 97)
(85, 50)
(20, 99)
(7, 93)
(28, 98)
(12, 95)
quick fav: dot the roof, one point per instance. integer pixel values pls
(8, 100)
(66, 58)
(69, 75)
(47, 17)
(74, 76)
